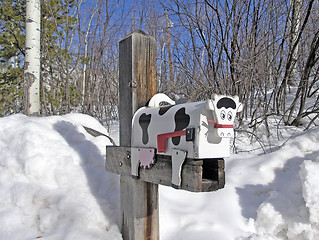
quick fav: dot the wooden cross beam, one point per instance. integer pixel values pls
(197, 175)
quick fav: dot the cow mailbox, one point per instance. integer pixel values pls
(197, 130)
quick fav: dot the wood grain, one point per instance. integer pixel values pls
(137, 84)
(197, 175)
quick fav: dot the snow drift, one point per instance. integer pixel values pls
(53, 186)
(267, 196)
(52, 180)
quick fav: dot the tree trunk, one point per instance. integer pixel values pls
(32, 59)
(293, 43)
(303, 89)
(171, 75)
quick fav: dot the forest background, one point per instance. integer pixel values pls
(264, 51)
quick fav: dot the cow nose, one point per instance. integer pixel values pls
(229, 135)
(222, 134)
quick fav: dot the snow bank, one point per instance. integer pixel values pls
(52, 180)
(271, 196)
(53, 186)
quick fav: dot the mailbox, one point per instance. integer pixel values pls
(196, 130)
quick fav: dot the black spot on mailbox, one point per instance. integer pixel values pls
(144, 122)
(163, 110)
(181, 122)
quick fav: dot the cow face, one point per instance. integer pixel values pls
(224, 110)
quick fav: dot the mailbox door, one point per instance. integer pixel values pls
(210, 145)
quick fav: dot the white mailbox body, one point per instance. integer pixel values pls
(198, 130)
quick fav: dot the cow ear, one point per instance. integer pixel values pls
(240, 107)
(239, 104)
(210, 105)
(214, 96)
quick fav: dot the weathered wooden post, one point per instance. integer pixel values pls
(139, 199)
(204, 173)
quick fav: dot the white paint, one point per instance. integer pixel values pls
(224, 116)
(178, 158)
(160, 100)
(210, 142)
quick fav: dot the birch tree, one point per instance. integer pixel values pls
(32, 58)
(293, 41)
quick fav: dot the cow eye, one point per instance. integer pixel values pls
(229, 116)
(223, 115)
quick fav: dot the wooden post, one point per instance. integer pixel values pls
(139, 199)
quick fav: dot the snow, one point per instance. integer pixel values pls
(52, 180)
(53, 186)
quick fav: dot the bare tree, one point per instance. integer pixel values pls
(259, 50)
(304, 89)
(295, 6)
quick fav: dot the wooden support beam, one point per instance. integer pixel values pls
(137, 84)
(197, 175)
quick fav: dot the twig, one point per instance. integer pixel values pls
(95, 133)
